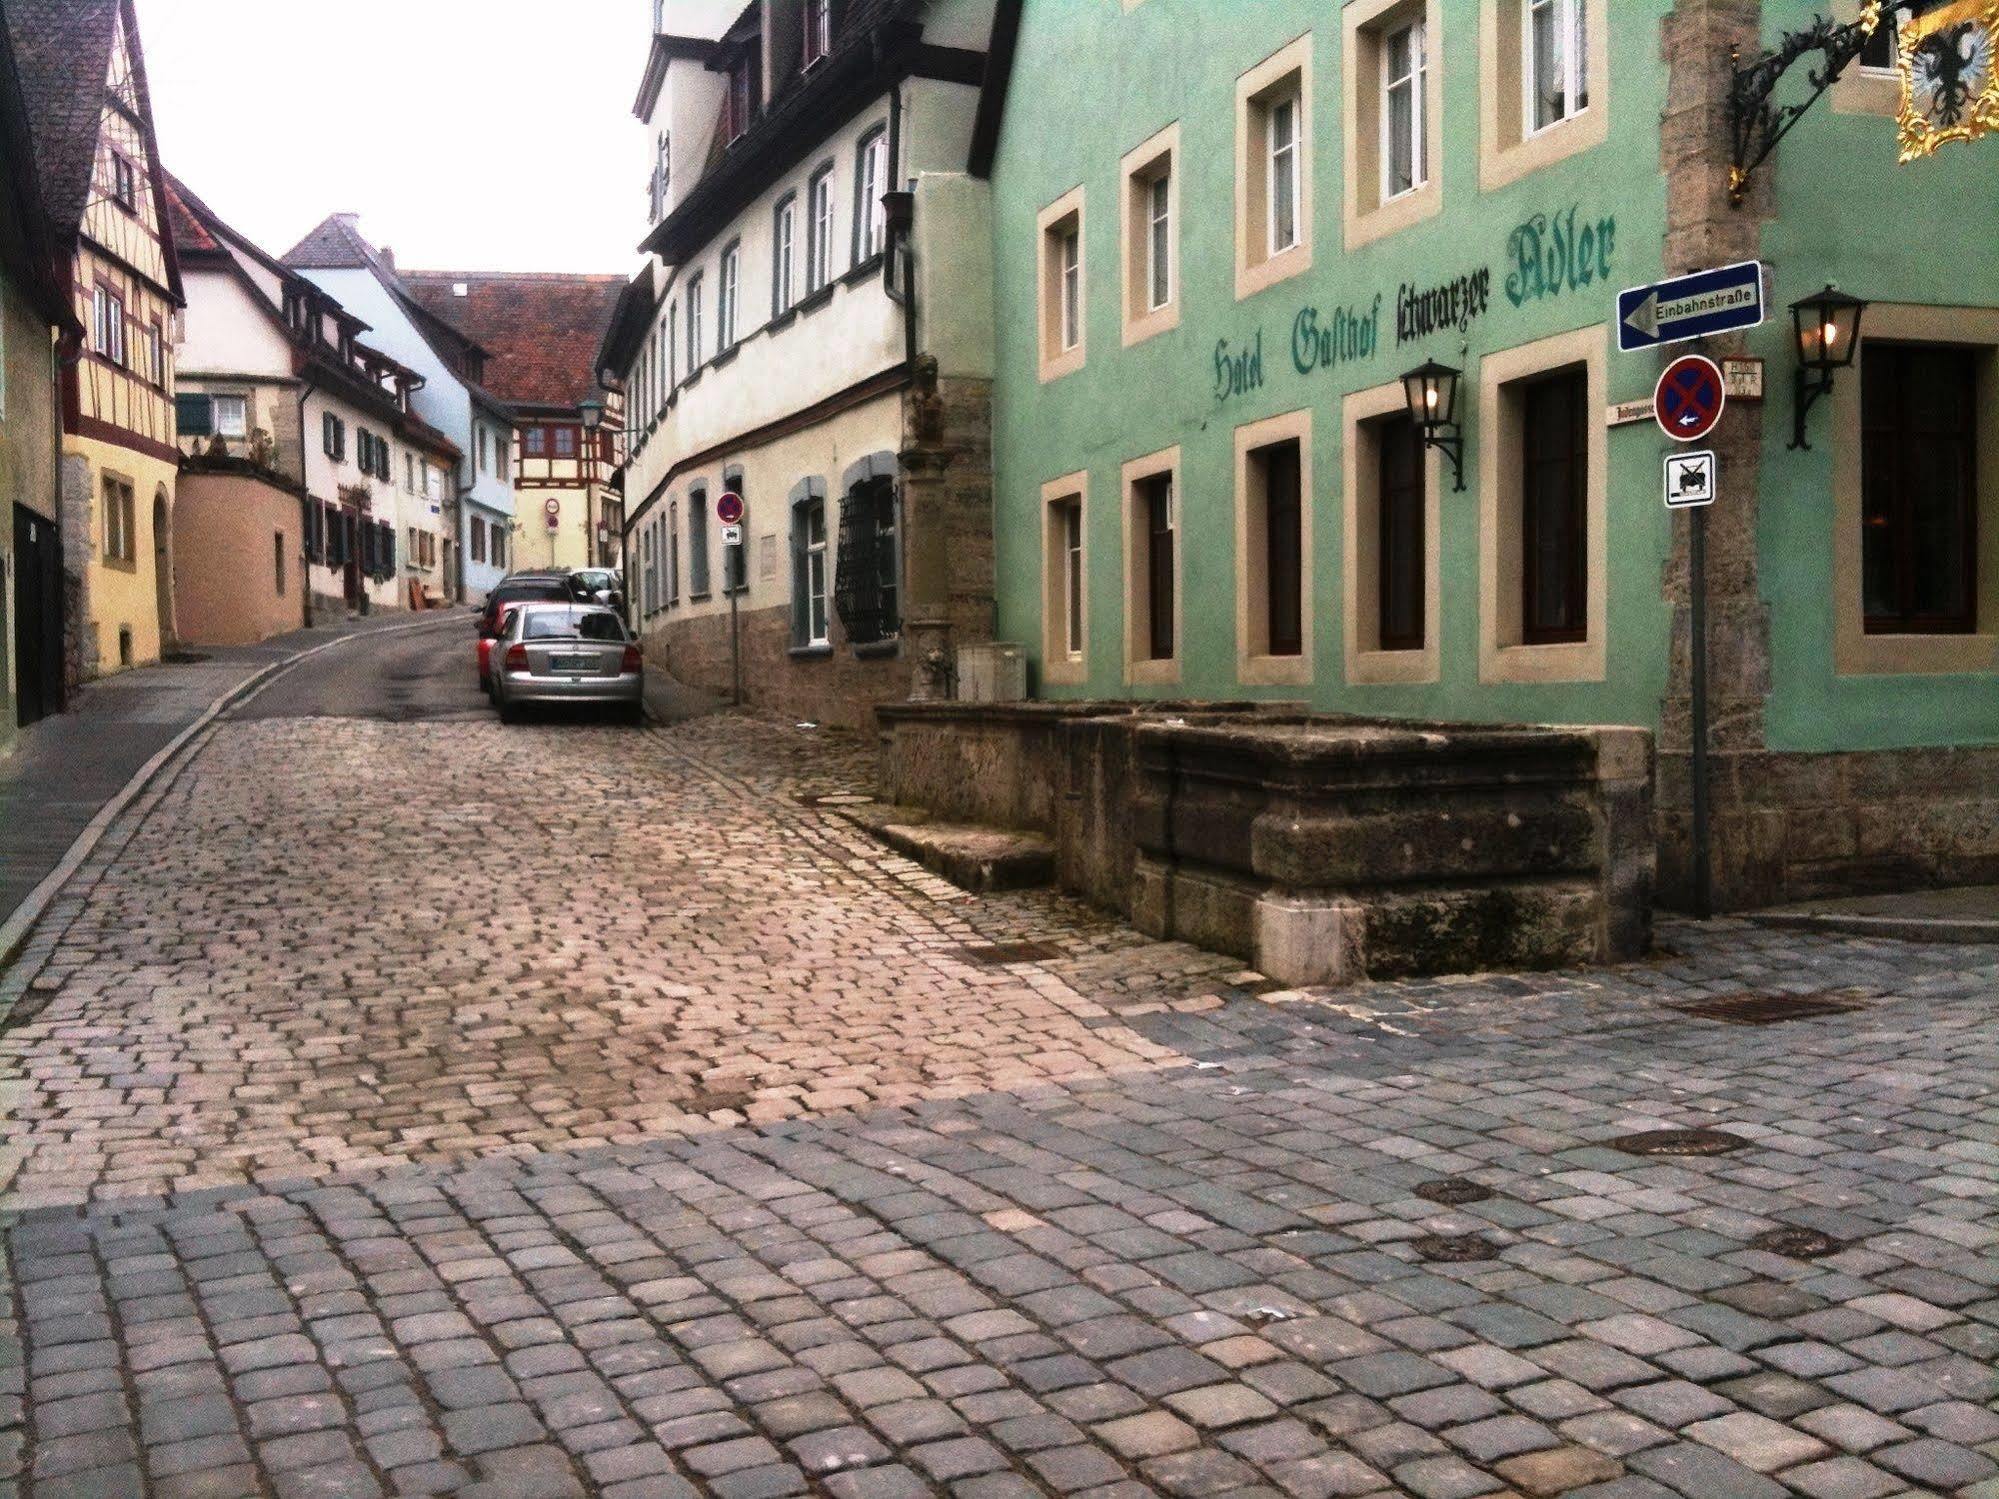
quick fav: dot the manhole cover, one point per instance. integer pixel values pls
(1796, 1243)
(1678, 1142)
(1453, 1191)
(1749, 1008)
(996, 953)
(1455, 1248)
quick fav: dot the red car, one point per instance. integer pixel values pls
(519, 588)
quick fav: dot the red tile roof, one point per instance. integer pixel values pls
(190, 234)
(540, 331)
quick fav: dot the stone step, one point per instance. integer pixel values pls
(970, 856)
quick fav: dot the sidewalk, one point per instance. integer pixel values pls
(1965, 913)
(65, 768)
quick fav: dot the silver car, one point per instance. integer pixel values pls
(566, 653)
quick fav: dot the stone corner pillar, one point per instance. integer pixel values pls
(926, 624)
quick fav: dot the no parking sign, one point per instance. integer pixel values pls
(1688, 399)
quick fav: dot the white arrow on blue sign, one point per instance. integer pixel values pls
(1707, 302)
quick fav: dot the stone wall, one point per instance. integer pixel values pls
(225, 573)
(833, 687)
(1791, 827)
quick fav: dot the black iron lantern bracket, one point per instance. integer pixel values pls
(1756, 123)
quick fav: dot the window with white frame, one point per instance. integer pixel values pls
(1071, 520)
(693, 324)
(1071, 252)
(1159, 240)
(1281, 220)
(818, 30)
(1405, 106)
(870, 217)
(670, 358)
(107, 324)
(726, 298)
(815, 573)
(232, 416)
(783, 254)
(819, 230)
(1555, 61)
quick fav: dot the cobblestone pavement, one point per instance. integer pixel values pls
(362, 1176)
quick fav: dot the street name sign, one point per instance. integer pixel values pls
(1688, 399)
(1707, 302)
(1689, 479)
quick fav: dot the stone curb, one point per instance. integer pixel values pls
(1967, 930)
(14, 930)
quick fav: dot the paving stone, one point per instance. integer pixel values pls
(1559, 1470)
(1756, 1441)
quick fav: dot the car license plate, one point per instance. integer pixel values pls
(571, 664)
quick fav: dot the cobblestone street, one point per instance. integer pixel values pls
(407, 1140)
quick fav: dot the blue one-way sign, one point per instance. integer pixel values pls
(1695, 306)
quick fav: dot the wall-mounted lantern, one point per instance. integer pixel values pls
(1432, 393)
(1828, 336)
(592, 411)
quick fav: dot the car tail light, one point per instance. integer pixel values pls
(631, 661)
(517, 658)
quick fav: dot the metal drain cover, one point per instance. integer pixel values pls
(1678, 1142)
(1453, 1191)
(1796, 1243)
(834, 799)
(1455, 1248)
(1749, 1008)
(996, 953)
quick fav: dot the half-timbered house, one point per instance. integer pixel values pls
(541, 331)
(84, 79)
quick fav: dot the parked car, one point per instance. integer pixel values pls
(567, 653)
(518, 588)
(603, 584)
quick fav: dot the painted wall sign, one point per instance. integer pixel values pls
(1238, 371)
(1455, 304)
(1555, 253)
(1319, 342)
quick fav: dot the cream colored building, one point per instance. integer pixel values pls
(809, 186)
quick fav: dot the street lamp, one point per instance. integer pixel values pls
(591, 410)
(1431, 391)
(1828, 336)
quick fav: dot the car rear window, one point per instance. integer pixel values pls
(550, 591)
(552, 624)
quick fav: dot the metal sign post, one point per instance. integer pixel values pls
(729, 510)
(1691, 481)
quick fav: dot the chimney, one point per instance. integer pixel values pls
(388, 257)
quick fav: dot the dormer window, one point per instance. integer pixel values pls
(742, 98)
(818, 30)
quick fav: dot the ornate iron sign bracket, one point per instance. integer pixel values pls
(1755, 122)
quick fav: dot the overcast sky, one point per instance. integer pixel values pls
(467, 134)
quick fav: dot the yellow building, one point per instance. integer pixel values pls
(98, 160)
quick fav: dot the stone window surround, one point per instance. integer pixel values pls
(1863, 90)
(1136, 172)
(1501, 655)
(120, 550)
(1253, 667)
(1055, 361)
(1139, 669)
(1288, 68)
(1505, 151)
(1855, 652)
(1361, 412)
(1057, 670)
(1363, 25)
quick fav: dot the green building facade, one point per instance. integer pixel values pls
(1179, 324)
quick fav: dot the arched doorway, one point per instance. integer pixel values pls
(163, 568)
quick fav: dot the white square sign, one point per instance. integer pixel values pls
(1689, 479)
(732, 536)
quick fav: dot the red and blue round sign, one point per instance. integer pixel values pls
(729, 507)
(1688, 399)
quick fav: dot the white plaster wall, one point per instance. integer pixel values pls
(226, 332)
